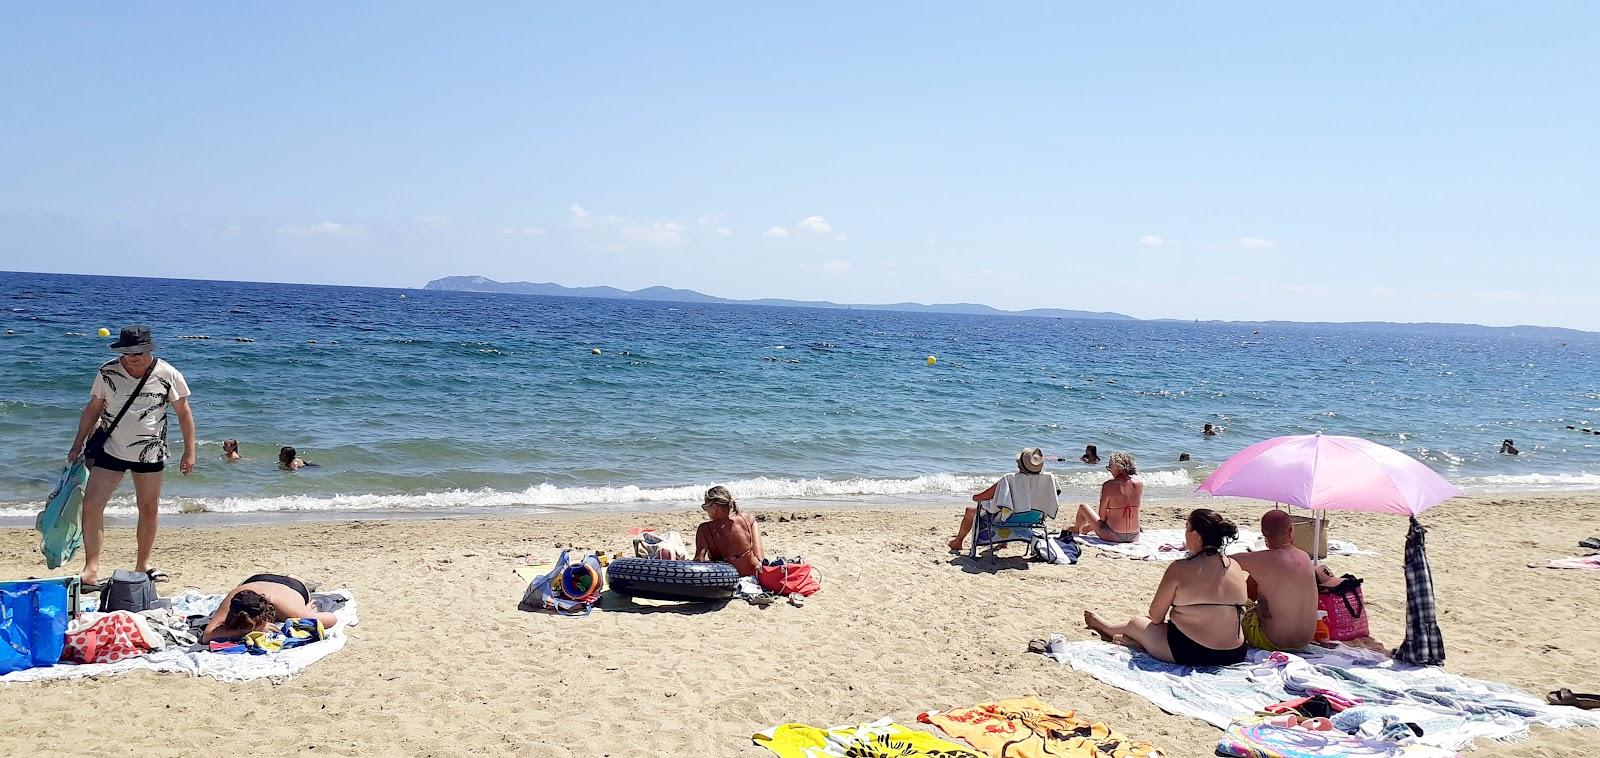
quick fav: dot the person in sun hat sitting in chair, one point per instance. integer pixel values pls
(1029, 461)
(130, 397)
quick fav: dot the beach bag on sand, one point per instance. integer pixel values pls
(570, 589)
(789, 576)
(131, 591)
(658, 546)
(1346, 609)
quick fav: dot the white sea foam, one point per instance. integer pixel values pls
(613, 498)
(1530, 481)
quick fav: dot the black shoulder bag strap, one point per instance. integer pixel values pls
(97, 441)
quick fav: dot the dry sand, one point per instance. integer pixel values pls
(444, 664)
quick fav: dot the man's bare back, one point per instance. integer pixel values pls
(1284, 584)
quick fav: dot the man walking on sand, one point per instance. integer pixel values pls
(1283, 584)
(130, 397)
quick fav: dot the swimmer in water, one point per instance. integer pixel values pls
(1091, 454)
(1210, 431)
(1507, 448)
(289, 460)
(230, 451)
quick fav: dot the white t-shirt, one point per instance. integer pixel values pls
(141, 435)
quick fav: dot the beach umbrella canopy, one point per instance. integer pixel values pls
(1327, 472)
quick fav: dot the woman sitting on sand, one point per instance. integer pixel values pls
(729, 536)
(1118, 519)
(258, 603)
(1200, 601)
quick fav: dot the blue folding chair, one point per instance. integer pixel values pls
(989, 530)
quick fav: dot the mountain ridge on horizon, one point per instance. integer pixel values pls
(676, 295)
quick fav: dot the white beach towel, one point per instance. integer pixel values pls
(1023, 493)
(1585, 563)
(277, 666)
(1167, 545)
(1452, 710)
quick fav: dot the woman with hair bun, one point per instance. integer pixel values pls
(258, 603)
(1194, 617)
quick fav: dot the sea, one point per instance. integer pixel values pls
(421, 402)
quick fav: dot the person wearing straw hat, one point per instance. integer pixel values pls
(130, 398)
(1029, 461)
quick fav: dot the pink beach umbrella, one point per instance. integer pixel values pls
(1325, 472)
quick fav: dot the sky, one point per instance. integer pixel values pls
(1365, 161)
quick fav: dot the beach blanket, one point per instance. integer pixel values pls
(1586, 563)
(197, 661)
(879, 739)
(1167, 545)
(1452, 710)
(1244, 739)
(1030, 728)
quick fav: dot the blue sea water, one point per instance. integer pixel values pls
(413, 400)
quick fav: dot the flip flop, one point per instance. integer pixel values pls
(1565, 696)
(1592, 543)
(156, 575)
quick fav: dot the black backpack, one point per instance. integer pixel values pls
(128, 591)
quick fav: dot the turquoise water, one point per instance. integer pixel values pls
(424, 400)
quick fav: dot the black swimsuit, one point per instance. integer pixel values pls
(1187, 652)
(287, 581)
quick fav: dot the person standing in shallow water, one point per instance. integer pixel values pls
(137, 444)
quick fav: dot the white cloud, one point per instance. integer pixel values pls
(724, 231)
(837, 267)
(1153, 240)
(324, 229)
(712, 218)
(578, 213)
(524, 231)
(776, 232)
(658, 233)
(815, 224)
(1256, 243)
(435, 222)
(841, 238)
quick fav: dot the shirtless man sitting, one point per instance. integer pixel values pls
(1118, 519)
(1283, 584)
(729, 536)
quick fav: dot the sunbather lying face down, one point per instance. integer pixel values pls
(1194, 616)
(258, 603)
(729, 536)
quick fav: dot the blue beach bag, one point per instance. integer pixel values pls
(33, 624)
(570, 589)
(60, 524)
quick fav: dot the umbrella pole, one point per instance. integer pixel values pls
(1316, 536)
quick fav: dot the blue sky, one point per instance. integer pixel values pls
(1368, 161)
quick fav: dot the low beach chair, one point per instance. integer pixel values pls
(1017, 513)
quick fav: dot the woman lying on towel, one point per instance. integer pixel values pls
(1200, 601)
(258, 603)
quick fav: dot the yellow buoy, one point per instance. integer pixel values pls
(932, 360)
(104, 332)
(595, 351)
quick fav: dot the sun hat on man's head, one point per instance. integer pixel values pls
(134, 339)
(1031, 461)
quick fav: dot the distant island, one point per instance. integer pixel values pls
(670, 295)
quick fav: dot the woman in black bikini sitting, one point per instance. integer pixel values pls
(1200, 601)
(258, 603)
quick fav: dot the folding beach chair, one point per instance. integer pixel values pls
(1017, 513)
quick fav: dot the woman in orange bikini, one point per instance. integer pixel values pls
(1118, 519)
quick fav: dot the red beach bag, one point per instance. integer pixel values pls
(788, 578)
(1346, 609)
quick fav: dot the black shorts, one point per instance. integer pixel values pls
(138, 467)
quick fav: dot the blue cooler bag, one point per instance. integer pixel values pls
(33, 624)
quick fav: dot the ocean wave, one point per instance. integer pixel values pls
(1531, 481)
(619, 498)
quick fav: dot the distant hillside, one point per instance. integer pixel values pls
(668, 294)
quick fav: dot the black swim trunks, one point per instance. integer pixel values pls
(138, 467)
(1187, 652)
(287, 581)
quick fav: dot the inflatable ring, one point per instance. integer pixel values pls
(691, 581)
(579, 581)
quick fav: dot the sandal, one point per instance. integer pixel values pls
(1565, 696)
(156, 575)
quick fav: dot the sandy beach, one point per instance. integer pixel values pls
(444, 664)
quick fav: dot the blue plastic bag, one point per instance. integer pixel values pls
(33, 624)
